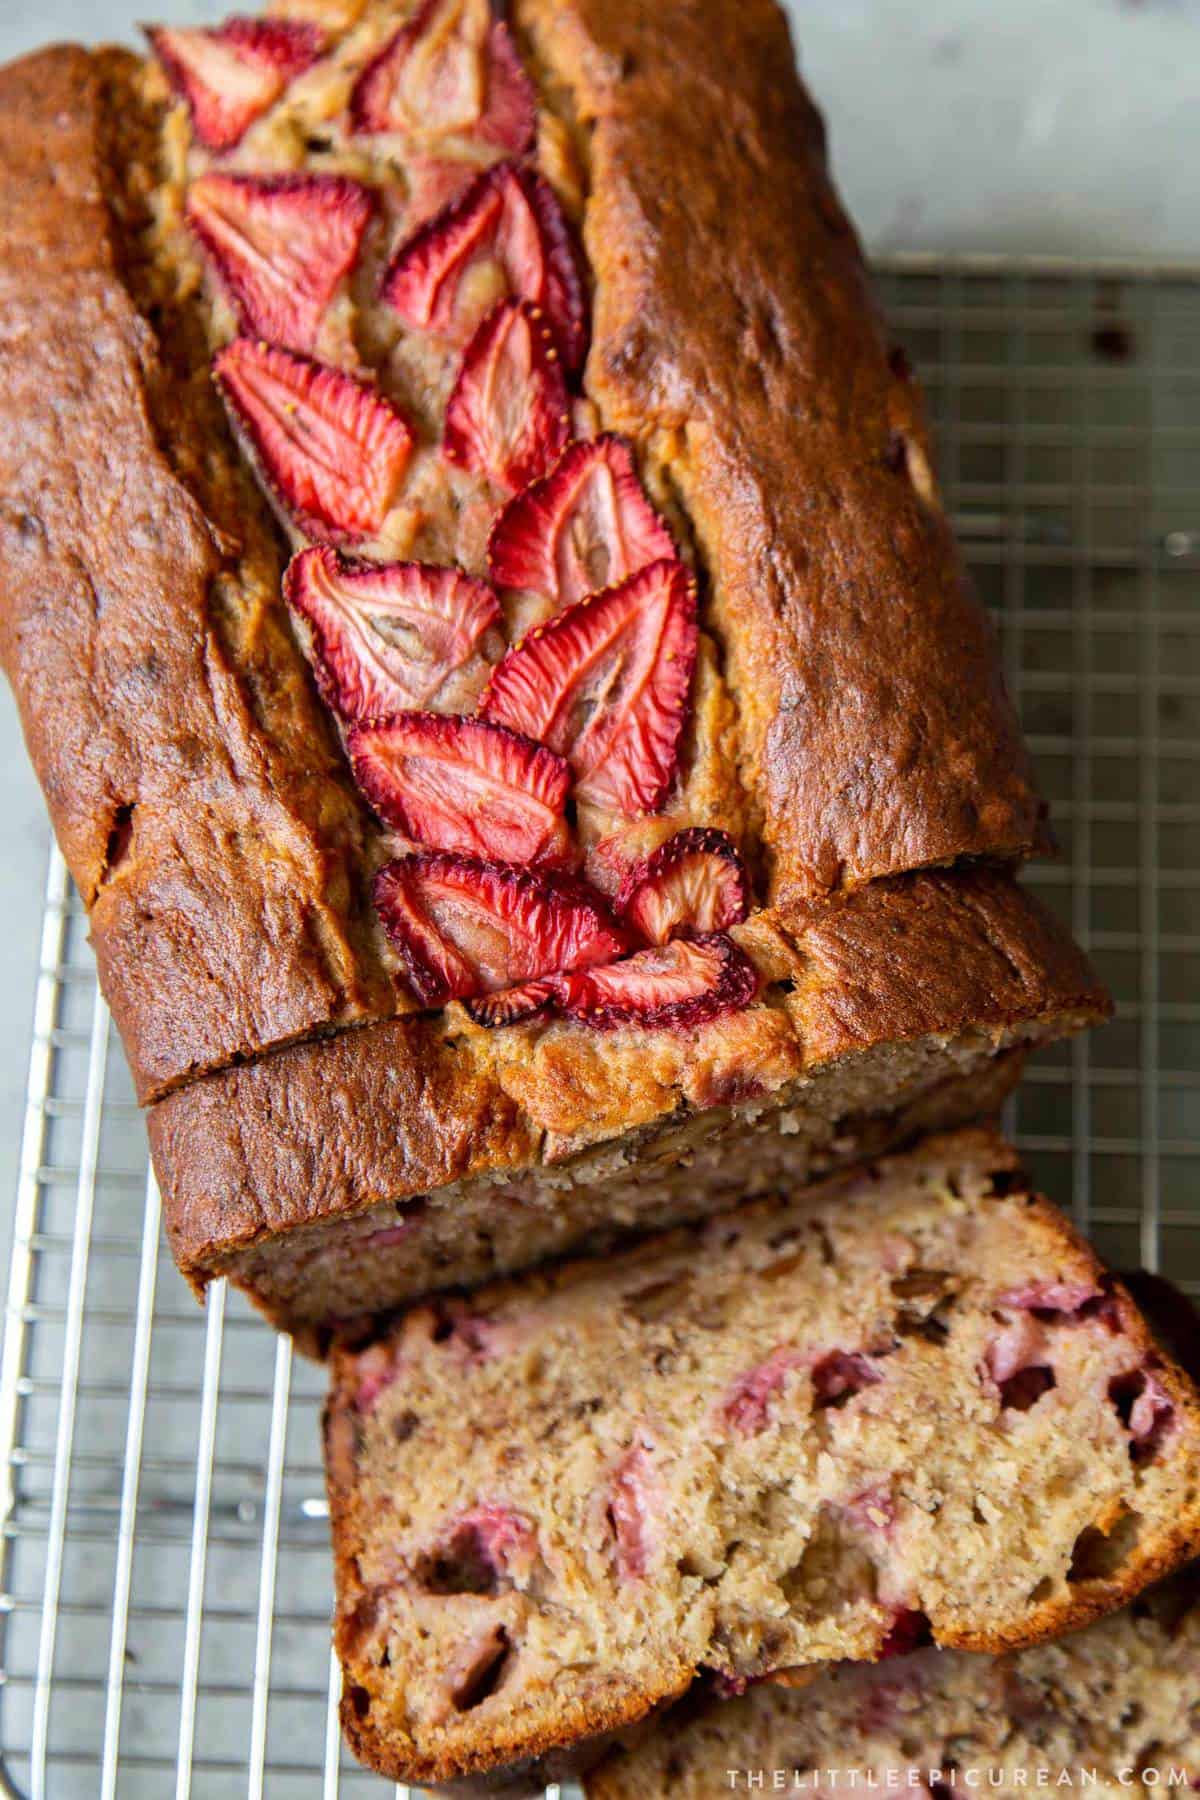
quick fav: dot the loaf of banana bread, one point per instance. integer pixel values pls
(906, 1407)
(482, 616)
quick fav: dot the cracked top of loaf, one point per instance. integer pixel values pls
(815, 696)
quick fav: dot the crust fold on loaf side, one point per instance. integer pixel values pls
(736, 339)
(539, 1480)
(322, 1131)
(194, 780)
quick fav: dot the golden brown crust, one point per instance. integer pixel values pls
(405, 1106)
(735, 338)
(954, 948)
(193, 779)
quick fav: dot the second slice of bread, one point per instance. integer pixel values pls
(906, 1406)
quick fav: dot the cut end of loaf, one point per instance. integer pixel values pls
(326, 1274)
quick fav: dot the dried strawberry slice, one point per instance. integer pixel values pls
(386, 636)
(465, 927)
(606, 685)
(696, 878)
(507, 417)
(460, 784)
(451, 71)
(280, 246)
(677, 985)
(587, 525)
(331, 449)
(507, 235)
(513, 1004)
(231, 74)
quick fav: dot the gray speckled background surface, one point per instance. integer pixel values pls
(1067, 128)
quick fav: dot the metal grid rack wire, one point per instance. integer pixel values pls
(164, 1582)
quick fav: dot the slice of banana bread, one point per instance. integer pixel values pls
(907, 1406)
(1117, 1705)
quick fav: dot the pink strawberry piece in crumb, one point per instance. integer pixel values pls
(377, 1369)
(465, 927)
(451, 71)
(507, 236)
(329, 448)
(1019, 1345)
(507, 417)
(387, 636)
(398, 1233)
(672, 987)
(748, 1405)
(586, 525)
(478, 1338)
(634, 1503)
(841, 1374)
(1018, 1363)
(280, 246)
(909, 1630)
(230, 74)
(474, 1673)
(1050, 1296)
(874, 1509)
(696, 878)
(1146, 1410)
(489, 1545)
(606, 684)
(461, 784)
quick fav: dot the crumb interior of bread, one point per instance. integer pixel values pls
(1118, 1698)
(686, 1167)
(772, 1441)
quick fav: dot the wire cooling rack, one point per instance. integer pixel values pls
(164, 1577)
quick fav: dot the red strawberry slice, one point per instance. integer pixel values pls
(606, 685)
(386, 636)
(696, 878)
(451, 71)
(231, 74)
(507, 235)
(280, 245)
(507, 417)
(434, 182)
(677, 985)
(465, 927)
(459, 784)
(331, 449)
(587, 525)
(512, 1004)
